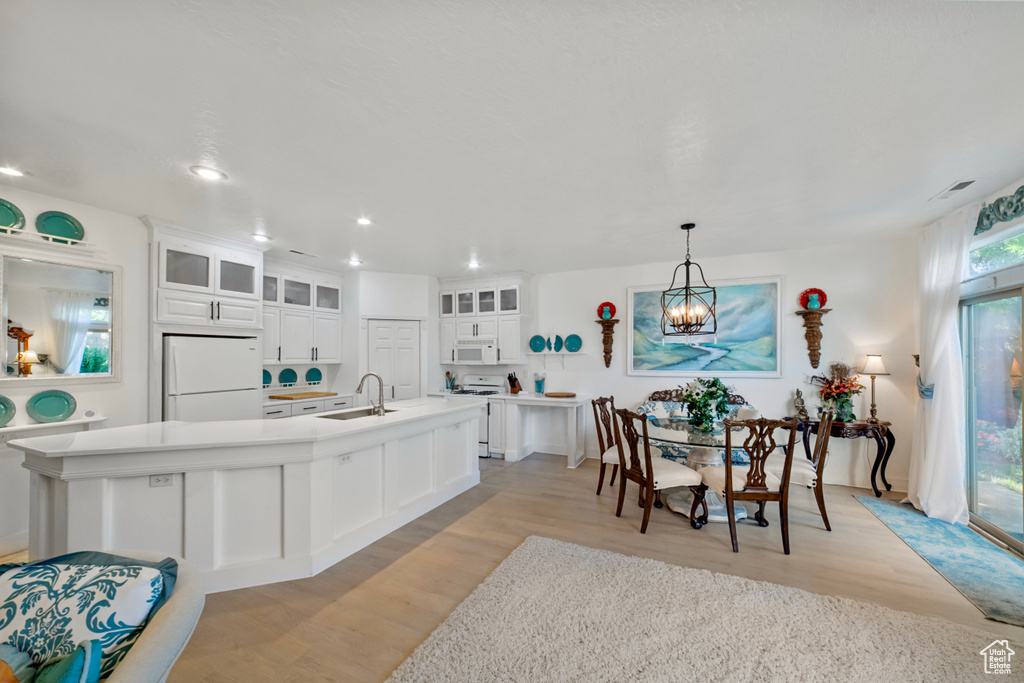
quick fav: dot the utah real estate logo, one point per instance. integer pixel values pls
(997, 657)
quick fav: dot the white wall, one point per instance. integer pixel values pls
(872, 297)
(119, 240)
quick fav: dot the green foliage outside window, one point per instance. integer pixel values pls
(96, 360)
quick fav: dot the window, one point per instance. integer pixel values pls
(1007, 252)
(96, 358)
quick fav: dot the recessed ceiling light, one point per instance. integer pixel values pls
(474, 264)
(26, 259)
(6, 170)
(207, 173)
(364, 221)
(260, 237)
(354, 261)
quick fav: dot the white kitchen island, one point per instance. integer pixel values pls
(251, 501)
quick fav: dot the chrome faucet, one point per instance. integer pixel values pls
(378, 409)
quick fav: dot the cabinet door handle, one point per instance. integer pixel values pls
(316, 352)
(312, 353)
(279, 354)
(499, 354)
(218, 310)
(211, 310)
(453, 355)
(392, 392)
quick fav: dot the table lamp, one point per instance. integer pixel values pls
(25, 360)
(873, 366)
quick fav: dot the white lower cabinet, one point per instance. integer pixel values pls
(275, 411)
(307, 407)
(198, 309)
(496, 427)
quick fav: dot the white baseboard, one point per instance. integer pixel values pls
(15, 543)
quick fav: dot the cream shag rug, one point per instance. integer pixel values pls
(555, 611)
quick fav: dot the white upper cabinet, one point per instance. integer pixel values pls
(447, 306)
(487, 301)
(326, 296)
(509, 339)
(272, 289)
(187, 266)
(237, 273)
(271, 335)
(296, 337)
(487, 327)
(296, 292)
(465, 303)
(326, 338)
(508, 300)
(199, 309)
(447, 341)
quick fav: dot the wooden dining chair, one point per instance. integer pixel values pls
(606, 440)
(810, 473)
(643, 464)
(754, 483)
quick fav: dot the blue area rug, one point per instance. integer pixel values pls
(987, 575)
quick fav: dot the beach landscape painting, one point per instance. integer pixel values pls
(746, 344)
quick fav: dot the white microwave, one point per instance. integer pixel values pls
(476, 352)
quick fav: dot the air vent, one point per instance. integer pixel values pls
(302, 253)
(953, 189)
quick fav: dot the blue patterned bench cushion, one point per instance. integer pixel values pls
(48, 607)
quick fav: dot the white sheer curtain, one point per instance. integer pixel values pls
(70, 314)
(937, 461)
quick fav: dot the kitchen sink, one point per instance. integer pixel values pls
(353, 414)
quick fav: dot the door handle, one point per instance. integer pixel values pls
(279, 354)
(218, 310)
(316, 353)
(312, 353)
(453, 355)
(392, 392)
(211, 310)
(499, 354)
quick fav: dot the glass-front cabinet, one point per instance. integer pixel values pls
(508, 300)
(205, 269)
(447, 305)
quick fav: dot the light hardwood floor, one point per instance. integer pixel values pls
(361, 618)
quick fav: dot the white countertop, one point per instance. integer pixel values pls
(521, 397)
(165, 436)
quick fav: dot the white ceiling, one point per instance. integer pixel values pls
(538, 135)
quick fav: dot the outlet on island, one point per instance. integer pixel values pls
(156, 480)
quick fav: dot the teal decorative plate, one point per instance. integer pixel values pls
(549, 343)
(11, 217)
(59, 224)
(573, 343)
(7, 410)
(267, 378)
(288, 376)
(558, 343)
(536, 343)
(314, 375)
(52, 405)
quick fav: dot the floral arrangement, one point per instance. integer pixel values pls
(838, 388)
(706, 400)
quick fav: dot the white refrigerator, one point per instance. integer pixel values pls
(212, 378)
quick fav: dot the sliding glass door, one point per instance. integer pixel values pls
(992, 332)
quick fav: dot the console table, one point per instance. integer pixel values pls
(880, 432)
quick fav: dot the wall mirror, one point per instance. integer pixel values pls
(60, 321)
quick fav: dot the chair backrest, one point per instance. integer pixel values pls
(634, 446)
(821, 440)
(759, 444)
(603, 408)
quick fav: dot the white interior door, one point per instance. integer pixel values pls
(394, 349)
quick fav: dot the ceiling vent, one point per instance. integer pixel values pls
(302, 253)
(953, 189)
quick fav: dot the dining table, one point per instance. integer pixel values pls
(706, 450)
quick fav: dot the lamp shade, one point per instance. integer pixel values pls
(28, 357)
(873, 366)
